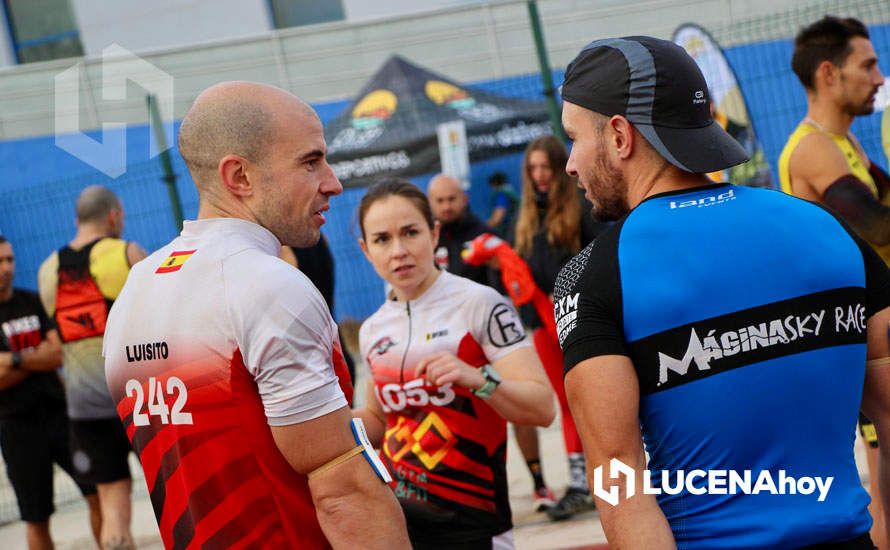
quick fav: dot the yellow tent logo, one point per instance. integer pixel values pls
(443, 93)
(374, 109)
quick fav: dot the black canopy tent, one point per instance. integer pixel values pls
(390, 130)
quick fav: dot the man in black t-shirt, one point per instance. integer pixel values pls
(459, 225)
(33, 420)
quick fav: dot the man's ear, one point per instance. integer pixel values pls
(115, 219)
(235, 174)
(435, 233)
(827, 72)
(620, 136)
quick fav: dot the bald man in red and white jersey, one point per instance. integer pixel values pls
(231, 385)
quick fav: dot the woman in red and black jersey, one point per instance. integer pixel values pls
(451, 364)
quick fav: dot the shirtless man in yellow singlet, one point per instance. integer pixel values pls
(823, 162)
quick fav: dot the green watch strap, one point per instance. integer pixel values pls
(486, 389)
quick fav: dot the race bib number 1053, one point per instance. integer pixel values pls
(395, 397)
(157, 401)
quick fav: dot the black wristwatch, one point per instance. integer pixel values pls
(16, 360)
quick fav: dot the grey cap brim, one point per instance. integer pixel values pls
(698, 150)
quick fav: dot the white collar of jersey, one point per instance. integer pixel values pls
(431, 294)
(256, 234)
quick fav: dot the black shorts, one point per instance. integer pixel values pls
(867, 429)
(30, 446)
(99, 450)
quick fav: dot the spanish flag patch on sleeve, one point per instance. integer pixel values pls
(175, 261)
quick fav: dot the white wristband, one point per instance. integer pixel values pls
(361, 437)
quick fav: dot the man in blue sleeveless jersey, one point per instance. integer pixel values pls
(710, 326)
